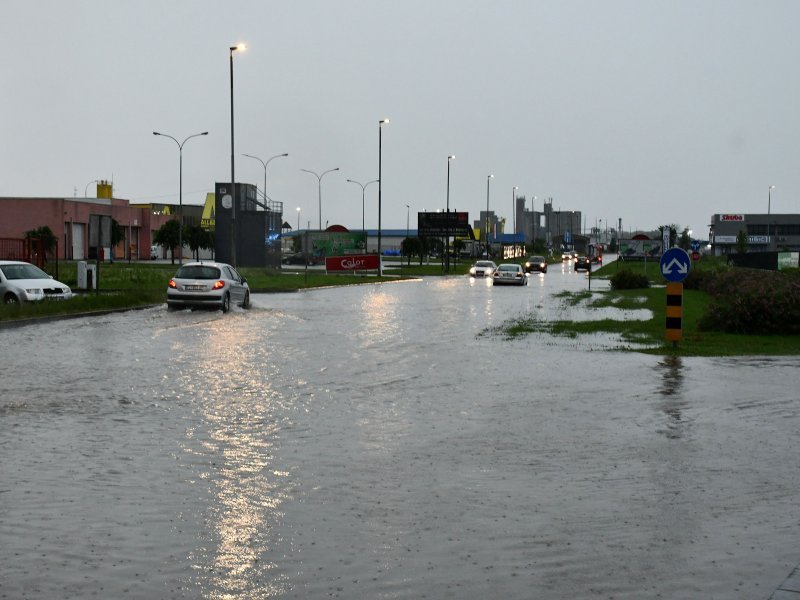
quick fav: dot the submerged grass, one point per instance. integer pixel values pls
(648, 335)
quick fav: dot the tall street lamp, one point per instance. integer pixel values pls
(408, 216)
(514, 217)
(232, 49)
(769, 207)
(486, 229)
(298, 218)
(363, 187)
(447, 227)
(180, 186)
(380, 179)
(264, 164)
(319, 189)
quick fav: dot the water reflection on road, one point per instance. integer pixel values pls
(366, 442)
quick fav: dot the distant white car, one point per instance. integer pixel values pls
(509, 274)
(24, 282)
(155, 252)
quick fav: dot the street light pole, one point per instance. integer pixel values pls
(86, 189)
(319, 189)
(380, 182)
(231, 50)
(180, 186)
(447, 227)
(514, 218)
(486, 229)
(769, 206)
(363, 187)
(264, 164)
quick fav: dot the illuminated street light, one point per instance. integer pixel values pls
(232, 49)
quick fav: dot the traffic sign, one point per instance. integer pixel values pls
(675, 264)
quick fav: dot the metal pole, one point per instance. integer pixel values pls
(486, 228)
(380, 186)
(233, 173)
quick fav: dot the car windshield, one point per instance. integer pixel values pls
(484, 263)
(508, 267)
(539, 259)
(197, 272)
(23, 272)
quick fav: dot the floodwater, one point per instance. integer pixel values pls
(370, 442)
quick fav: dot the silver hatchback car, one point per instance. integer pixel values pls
(24, 282)
(207, 285)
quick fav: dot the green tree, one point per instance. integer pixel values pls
(168, 236)
(196, 237)
(741, 242)
(685, 241)
(47, 237)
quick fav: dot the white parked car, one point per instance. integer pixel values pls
(207, 285)
(24, 282)
(155, 252)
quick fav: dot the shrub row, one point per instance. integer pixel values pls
(628, 280)
(751, 301)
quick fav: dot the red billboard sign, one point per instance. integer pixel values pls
(731, 218)
(352, 262)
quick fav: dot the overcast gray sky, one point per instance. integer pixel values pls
(652, 112)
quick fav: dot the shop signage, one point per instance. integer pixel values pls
(352, 262)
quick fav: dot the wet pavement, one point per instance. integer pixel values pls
(372, 442)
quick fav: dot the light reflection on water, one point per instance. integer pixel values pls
(366, 442)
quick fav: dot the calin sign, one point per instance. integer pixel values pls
(352, 262)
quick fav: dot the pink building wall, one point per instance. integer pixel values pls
(68, 218)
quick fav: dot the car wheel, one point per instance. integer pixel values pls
(246, 301)
(226, 303)
(11, 299)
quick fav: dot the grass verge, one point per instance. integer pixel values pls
(648, 335)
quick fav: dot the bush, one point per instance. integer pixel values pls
(753, 301)
(628, 280)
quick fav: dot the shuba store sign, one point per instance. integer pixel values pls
(352, 262)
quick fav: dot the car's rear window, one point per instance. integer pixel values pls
(197, 272)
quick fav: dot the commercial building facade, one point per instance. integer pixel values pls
(764, 232)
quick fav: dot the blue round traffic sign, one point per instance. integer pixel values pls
(675, 264)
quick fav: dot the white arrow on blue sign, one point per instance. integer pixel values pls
(675, 264)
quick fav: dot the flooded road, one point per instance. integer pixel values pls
(367, 442)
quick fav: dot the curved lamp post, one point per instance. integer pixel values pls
(363, 187)
(319, 189)
(264, 164)
(180, 186)
(86, 189)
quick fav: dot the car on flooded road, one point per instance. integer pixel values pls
(24, 282)
(583, 263)
(207, 285)
(509, 274)
(482, 268)
(536, 263)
